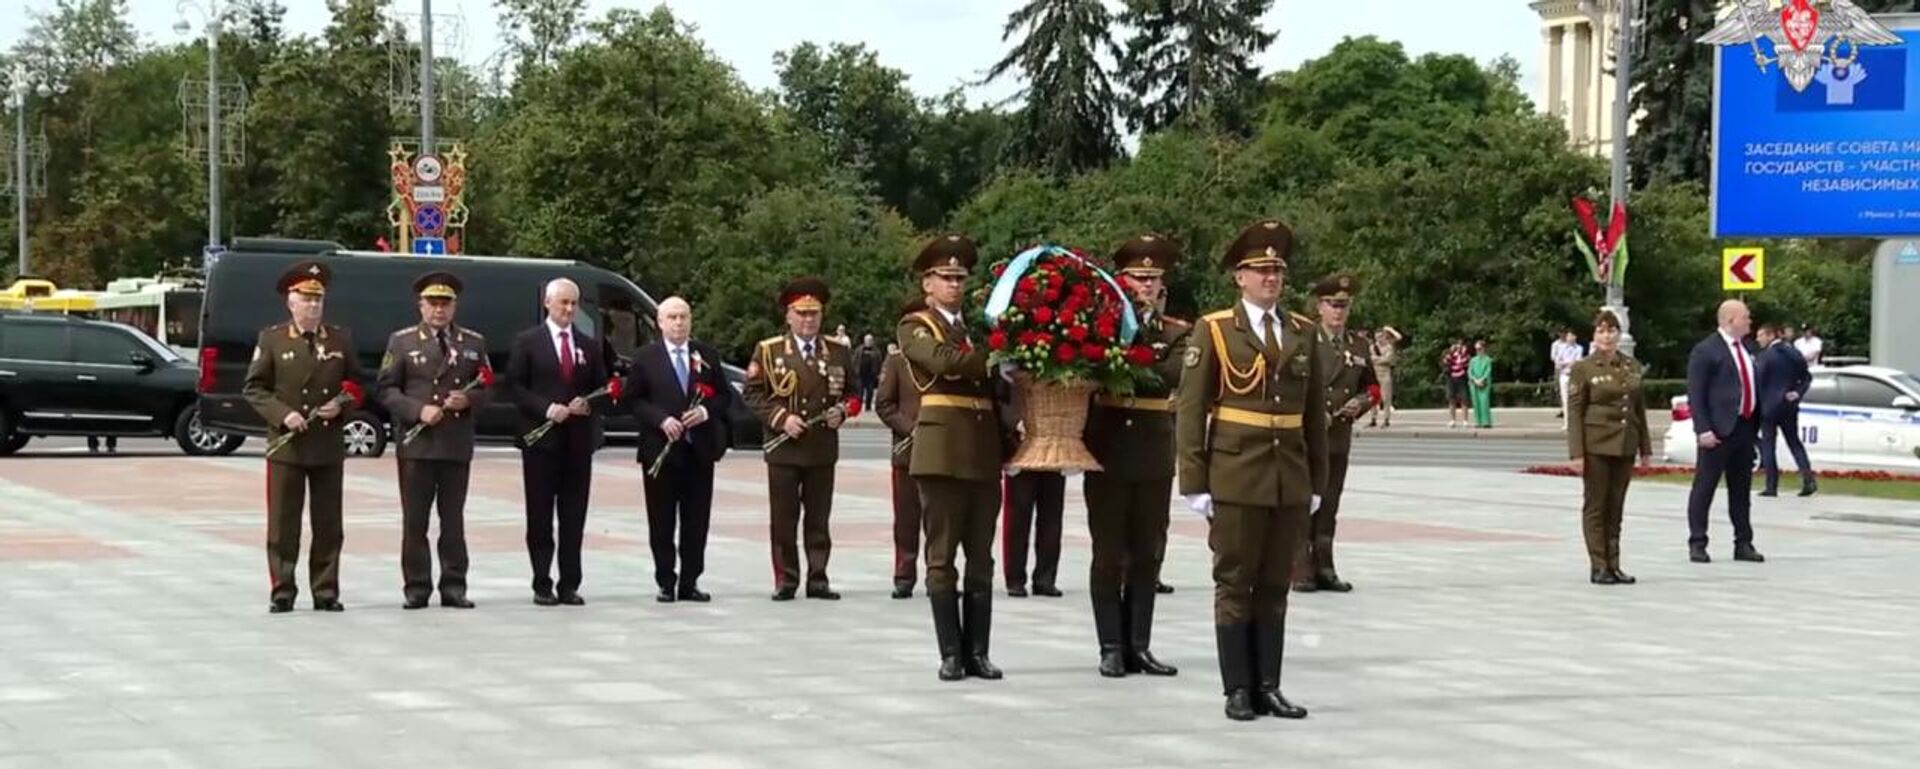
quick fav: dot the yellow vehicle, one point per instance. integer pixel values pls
(167, 309)
(36, 295)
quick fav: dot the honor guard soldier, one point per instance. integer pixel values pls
(957, 454)
(1132, 437)
(433, 379)
(1606, 429)
(796, 383)
(1250, 426)
(898, 404)
(1346, 358)
(302, 381)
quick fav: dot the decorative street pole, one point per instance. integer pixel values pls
(19, 84)
(215, 12)
(1622, 112)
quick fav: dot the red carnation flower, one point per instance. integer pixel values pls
(999, 268)
(1022, 299)
(1093, 351)
(1105, 328)
(1140, 355)
(997, 340)
(1058, 280)
(1026, 284)
(1043, 338)
(1052, 295)
(1064, 353)
(1043, 315)
(1027, 338)
(1077, 333)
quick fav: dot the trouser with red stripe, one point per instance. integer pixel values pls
(1035, 502)
(289, 489)
(906, 528)
(801, 500)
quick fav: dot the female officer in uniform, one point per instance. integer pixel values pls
(1606, 428)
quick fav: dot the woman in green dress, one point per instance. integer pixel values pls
(1480, 383)
(1606, 429)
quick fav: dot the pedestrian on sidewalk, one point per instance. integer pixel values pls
(1454, 367)
(1480, 379)
(1783, 381)
(1386, 354)
(1607, 428)
(1565, 352)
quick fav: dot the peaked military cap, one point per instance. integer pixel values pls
(438, 285)
(1146, 255)
(1262, 244)
(950, 254)
(1338, 286)
(807, 294)
(308, 277)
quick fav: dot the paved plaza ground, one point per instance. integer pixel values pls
(133, 633)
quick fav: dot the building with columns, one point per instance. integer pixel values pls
(1577, 39)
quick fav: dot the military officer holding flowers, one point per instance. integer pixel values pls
(433, 379)
(797, 383)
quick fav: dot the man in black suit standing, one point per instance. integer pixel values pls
(553, 368)
(1724, 396)
(665, 378)
(1784, 380)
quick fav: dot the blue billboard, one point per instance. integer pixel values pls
(1840, 158)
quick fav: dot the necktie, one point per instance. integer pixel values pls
(806, 351)
(1267, 337)
(446, 352)
(566, 357)
(308, 335)
(680, 366)
(1746, 382)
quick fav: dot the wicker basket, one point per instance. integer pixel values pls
(1055, 416)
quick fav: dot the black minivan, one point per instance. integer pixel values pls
(64, 375)
(372, 296)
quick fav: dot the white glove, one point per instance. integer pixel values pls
(1202, 504)
(1313, 505)
(1012, 471)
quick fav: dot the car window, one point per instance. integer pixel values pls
(1909, 382)
(1866, 393)
(1825, 389)
(102, 346)
(35, 341)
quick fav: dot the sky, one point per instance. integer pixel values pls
(940, 44)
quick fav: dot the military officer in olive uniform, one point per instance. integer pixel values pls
(1606, 429)
(797, 383)
(1250, 437)
(1347, 360)
(430, 376)
(296, 383)
(957, 454)
(1132, 437)
(898, 405)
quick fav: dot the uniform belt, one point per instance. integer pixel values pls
(1136, 404)
(1257, 418)
(956, 402)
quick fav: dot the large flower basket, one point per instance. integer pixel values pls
(1055, 416)
(1064, 328)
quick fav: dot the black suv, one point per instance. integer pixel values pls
(61, 375)
(371, 295)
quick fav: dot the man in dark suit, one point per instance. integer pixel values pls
(1784, 380)
(1722, 390)
(665, 379)
(553, 368)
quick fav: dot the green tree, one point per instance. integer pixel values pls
(539, 30)
(1367, 97)
(861, 111)
(1193, 57)
(1066, 122)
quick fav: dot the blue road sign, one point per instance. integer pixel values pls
(433, 246)
(429, 218)
(1839, 159)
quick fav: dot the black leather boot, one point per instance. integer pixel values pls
(1236, 678)
(1106, 625)
(946, 628)
(1140, 635)
(1269, 648)
(978, 627)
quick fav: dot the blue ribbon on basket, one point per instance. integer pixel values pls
(1002, 295)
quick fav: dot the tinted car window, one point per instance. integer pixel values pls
(35, 341)
(1824, 390)
(101, 346)
(1866, 393)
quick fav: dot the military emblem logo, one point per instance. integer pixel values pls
(1802, 36)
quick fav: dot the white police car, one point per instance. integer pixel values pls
(1854, 415)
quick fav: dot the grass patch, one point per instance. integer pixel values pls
(1790, 485)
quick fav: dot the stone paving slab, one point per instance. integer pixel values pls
(135, 635)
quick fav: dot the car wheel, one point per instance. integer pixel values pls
(196, 439)
(363, 436)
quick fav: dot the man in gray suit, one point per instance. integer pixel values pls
(434, 375)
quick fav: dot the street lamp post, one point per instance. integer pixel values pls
(1622, 113)
(215, 13)
(19, 84)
